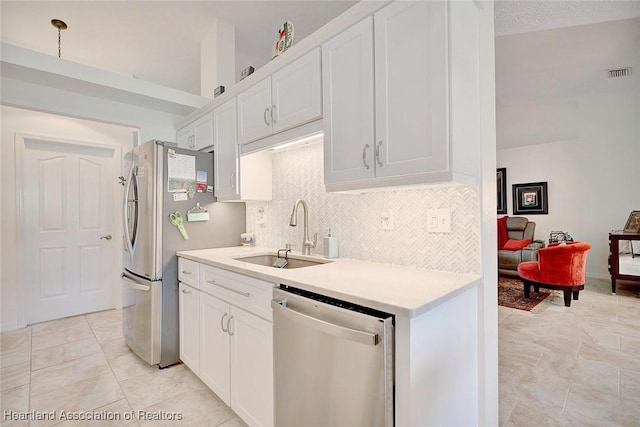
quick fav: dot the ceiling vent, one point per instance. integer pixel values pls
(620, 72)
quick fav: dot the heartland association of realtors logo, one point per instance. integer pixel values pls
(63, 415)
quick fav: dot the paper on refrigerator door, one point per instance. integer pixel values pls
(181, 172)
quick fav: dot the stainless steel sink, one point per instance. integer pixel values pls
(292, 260)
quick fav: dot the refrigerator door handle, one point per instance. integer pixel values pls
(125, 216)
(135, 285)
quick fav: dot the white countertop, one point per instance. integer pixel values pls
(404, 291)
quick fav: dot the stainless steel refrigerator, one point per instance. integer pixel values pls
(157, 184)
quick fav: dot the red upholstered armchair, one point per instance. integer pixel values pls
(559, 267)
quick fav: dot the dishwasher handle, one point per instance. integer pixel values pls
(362, 337)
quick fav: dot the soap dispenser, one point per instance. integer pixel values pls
(330, 246)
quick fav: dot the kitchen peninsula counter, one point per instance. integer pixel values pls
(400, 290)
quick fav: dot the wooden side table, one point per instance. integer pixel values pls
(614, 254)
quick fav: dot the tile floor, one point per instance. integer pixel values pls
(572, 366)
(577, 366)
(82, 364)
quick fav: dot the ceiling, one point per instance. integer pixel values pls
(159, 41)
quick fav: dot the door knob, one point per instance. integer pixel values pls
(106, 237)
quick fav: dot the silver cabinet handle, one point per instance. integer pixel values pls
(232, 180)
(229, 326)
(244, 294)
(364, 156)
(273, 110)
(186, 291)
(106, 237)
(378, 161)
(350, 334)
(222, 323)
(264, 116)
(186, 272)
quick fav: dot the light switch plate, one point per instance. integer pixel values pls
(439, 220)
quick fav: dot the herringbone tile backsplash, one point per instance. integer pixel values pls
(355, 219)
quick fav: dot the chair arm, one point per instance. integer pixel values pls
(530, 252)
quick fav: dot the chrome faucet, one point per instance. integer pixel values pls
(307, 244)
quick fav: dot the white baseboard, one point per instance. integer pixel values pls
(8, 327)
(598, 276)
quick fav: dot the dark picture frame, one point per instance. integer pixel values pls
(530, 199)
(501, 181)
(633, 223)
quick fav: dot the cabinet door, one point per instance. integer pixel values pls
(252, 368)
(411, 88)
(185, 137)
(226, 150)
(203, 131)
(347, 108)
(190, 327)
(254, 112)
(295, 92)
(214, 346)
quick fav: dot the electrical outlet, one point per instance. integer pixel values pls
(260, 217)
(387, 220)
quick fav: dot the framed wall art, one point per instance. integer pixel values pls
(633, 223)
(530, 199)
(501, 181)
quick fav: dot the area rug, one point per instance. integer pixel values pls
(511, 294)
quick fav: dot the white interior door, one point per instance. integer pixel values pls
(68, 226)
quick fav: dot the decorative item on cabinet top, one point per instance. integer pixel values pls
(246, 72)
(284, 39)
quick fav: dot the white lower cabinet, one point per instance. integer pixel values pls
(190, 327)
(214, 349)
(251, 368)
(233, 335)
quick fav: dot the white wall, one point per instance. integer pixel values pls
(217, 58)
(593, 178)
(15, 120)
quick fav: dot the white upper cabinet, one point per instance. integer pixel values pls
(197, 135)
(246, 177)
(348, 110)
(403, 138)
(225, 150)
(288, 98)
(296, 94)
(254, 112)
(411, 88)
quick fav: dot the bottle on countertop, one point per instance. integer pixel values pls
(330, 245)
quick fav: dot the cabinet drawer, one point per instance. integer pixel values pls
(250, 294)
(188, 272)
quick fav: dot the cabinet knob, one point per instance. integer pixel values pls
(106, 237)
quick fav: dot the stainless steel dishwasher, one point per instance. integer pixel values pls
(333, 362)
